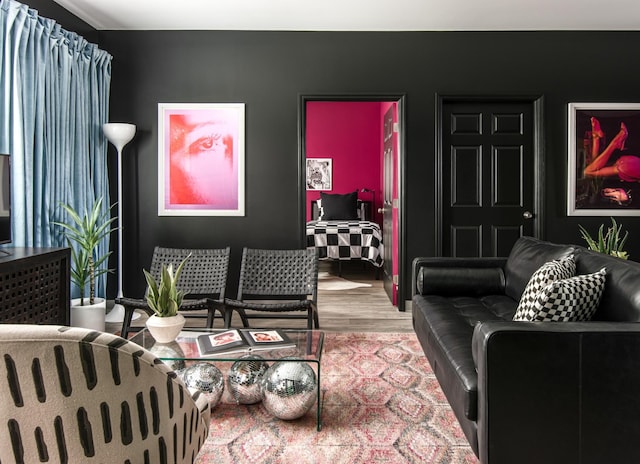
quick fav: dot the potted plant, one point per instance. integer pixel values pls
(165, 300)
(83, 234)
(611, 243)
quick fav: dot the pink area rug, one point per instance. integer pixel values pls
(382, 404)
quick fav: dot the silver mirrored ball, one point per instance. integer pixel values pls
(244, 378)
(206, 378)
(170, 350)
(289, 389)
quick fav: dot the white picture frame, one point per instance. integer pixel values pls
(319, 174)
(201, 159)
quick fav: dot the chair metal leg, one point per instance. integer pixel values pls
(243, 317)
(228, 312)
(126, 321)
(211, 314)
(310, 319)
(316, 319)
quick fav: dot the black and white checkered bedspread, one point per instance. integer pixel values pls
(346, 240)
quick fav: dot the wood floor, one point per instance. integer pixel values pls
(365, 309)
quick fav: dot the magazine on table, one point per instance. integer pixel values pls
(235, 341)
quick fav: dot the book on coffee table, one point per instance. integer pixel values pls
(234, 341)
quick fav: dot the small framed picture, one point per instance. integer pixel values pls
(319, 174)
(603, 159)
(201, 159)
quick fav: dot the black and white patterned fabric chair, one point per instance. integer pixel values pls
(72, 395)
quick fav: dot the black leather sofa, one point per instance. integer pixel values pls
(533, 392)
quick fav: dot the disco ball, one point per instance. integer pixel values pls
(206, 378)
(244, 379)
(180, 373)
(169, 350)
(289, 389)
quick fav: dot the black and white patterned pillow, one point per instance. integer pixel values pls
(557, 269)
(573, 299)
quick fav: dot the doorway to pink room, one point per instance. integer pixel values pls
(361, 140)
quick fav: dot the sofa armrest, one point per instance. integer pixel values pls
(558, 392)
(458, 276)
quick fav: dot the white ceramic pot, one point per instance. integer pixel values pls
(88, 316)
(165, 329)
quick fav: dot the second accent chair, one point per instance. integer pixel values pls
(276, 283)
(204, 277)
(79, 396)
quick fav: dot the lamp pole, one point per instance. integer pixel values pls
(119, 134)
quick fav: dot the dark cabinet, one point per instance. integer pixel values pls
(35, 285)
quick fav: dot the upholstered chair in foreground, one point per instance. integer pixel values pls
(73, 395)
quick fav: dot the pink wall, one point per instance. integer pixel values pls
(349, 133)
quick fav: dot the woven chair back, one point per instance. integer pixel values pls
(205, 272)
(279, 273)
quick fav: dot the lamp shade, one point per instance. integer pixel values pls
(119, 133)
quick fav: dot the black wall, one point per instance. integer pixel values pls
(270, 70)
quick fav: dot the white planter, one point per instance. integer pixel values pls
(165, 329)
(88, 316)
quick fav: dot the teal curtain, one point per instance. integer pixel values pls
(54, 98)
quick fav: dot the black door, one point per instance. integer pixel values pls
(487, 190)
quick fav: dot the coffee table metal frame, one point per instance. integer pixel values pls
(309, 347)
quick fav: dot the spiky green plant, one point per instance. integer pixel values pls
(86, 232)
(612, 242)
(164, 298)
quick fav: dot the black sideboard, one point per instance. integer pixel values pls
(34, 285)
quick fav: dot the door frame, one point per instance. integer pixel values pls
(400, 98)
(538, 156)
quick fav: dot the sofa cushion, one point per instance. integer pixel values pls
(572, 299)
(557, 269)
(460, 281)
(445, 329)
(527, 255)
(621, 297)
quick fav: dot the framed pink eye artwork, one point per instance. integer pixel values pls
(201, 159)
(604, 159)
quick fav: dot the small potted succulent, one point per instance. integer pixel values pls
(165, 300)
(83, 234)
(612, 242)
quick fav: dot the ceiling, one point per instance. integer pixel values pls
(358, 15)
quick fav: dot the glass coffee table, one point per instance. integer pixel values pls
(308, 347)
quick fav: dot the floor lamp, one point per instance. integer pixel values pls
(119, 134)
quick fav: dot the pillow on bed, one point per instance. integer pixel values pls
(339, 206)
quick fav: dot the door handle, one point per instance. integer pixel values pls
(380, 210)
(527, 215)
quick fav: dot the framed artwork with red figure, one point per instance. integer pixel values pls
(604, 159)
(201, 159)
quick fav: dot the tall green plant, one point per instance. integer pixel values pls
(164, 298)
(86, 232)
(612, 242)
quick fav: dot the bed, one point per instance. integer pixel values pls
(345, 235)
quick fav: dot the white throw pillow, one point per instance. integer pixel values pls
(573, 299)
(557, 269)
